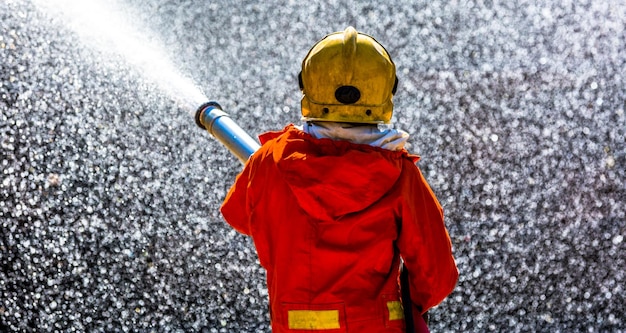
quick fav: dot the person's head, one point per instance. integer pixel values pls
(348, 77)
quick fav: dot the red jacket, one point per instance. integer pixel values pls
(330, 220)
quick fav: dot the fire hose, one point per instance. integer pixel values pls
(218, 123)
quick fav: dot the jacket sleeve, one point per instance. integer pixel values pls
(236, 206)
(425, 245)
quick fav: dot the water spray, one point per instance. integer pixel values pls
(110, 27)
(218, 123)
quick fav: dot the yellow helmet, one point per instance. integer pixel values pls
(348, 77)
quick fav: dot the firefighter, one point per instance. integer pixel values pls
(334, 206)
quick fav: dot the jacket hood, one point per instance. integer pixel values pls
(331, 178)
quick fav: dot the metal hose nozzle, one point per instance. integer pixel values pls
(218, 123)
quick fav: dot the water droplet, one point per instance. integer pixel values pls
(54, 179)
(610, 161)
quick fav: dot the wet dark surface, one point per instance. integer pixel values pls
(109, 193)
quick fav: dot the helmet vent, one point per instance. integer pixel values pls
(347, 94)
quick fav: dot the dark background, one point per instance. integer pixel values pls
(109, 193)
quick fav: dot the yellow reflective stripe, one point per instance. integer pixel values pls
(313, 320)
(395, 310)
